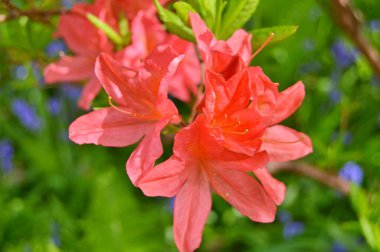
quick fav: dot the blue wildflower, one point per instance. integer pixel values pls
(26, 115)
(56, 233)
(352, 172)
(347, 138)
(6, 155)
(71, 92)
(20, 72)
(293, 228)
(54, 106)
(343, 55)
(37, 73)
(310, 67)
(54, 48)
(171, 204)
(338, 247)
(374, 25)
(335, 95)
(284, 216)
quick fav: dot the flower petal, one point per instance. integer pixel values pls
(90, 91)
(203, 35)
(284, 144)
(183, 83)
(245, 164)
(240, 43)
(165, 179)
(108, 127)
(145, 155)
(116, 79)
(69, 68)
(80, 35)
(288, 102)
(244, 193)
(274, 188)
(161, 65)
(191, 208)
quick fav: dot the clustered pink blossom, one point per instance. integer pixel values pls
(231, 135)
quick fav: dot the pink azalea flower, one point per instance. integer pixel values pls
(281, 143)
(223, 57)
(142, 109)
(147, 34)
(201, 163)
(132, 7)
(86, 41)
(239, 107)
(236, 131)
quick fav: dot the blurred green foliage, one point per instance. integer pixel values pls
(63, 197)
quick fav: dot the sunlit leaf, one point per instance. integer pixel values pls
(235, 15)
(280, 33)
(183, 9)
(173, 23)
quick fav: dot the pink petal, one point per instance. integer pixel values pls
(240, 43)
(80, 35)
(191, 208)
(188, 75)
(202, 34)
(69, 68)
(243, 163)
(274, 188)
(217, 96)
(161, 65)
(224, 62)
(132, 7)
(240, 93)
(284, 144)
(165, 179)
(90, 91)
(288, 102)
(145, 155)
(195, 140)
(115, 79)
(147, 34)
(244, 193)
(108, 127)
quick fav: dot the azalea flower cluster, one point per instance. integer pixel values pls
(231, 135)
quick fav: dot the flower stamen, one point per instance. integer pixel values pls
(237, 132)
(262, 46)
(125, 111)
(281, 142)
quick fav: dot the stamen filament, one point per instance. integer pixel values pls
(125, 111)
(237, 132)
(280, 142)
(262, 46)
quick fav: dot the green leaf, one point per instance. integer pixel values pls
(280, 33)
(236, 14)
(124, 29)
(108, 30)
(359, 200)
(368, 231)
(173, 23)
(208, 13)
(183, 9)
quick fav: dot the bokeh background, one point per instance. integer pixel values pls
(58, 196)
